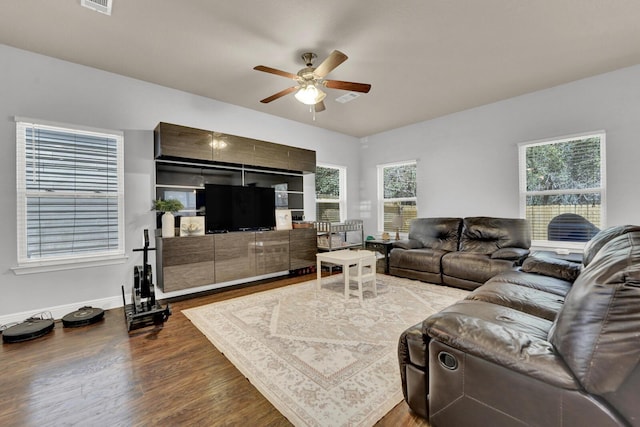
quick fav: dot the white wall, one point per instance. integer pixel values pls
(45, 88)
(468, 161)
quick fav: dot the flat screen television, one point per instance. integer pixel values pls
(235, 208)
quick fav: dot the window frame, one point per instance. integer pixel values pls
(342, 196)
(27, 265)
(561, 246)
(382, 200)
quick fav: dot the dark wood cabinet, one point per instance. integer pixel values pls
(269, 155)
(235, 256)
(193, 261)
(271, 251)
(182, 142)
(302, 247)
(233, 149)
(185, 262)
(187, 159)
(302, 160)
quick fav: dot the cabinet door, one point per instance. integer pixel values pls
(302, 160)
(183, 142)
(270, 155)
(272, 251)
(233, 149)
(187, 262)
(303, 247)
(235, 256)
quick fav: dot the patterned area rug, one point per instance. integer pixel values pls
(319, 359)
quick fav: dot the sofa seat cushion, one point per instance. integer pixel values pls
(522, 298)
(501, 335)
(424, 259)
(472, 266)
(536, 281)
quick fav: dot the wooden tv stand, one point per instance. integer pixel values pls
(195, 261)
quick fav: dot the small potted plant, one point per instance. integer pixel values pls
(168, 207)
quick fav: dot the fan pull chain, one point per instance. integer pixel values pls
(312, 109)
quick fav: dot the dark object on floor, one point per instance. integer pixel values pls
(83, 316)
(144, 310)
(570, 227)
(27, 330)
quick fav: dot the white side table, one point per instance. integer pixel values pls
(361, 259)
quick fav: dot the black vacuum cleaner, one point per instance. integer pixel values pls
(144, 310)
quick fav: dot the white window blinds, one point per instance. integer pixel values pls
(70, 192)
(562, 187)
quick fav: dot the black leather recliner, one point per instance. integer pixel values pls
(459, 252)
(553, 344)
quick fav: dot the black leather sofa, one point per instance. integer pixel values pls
(460, 252)
(553, 343)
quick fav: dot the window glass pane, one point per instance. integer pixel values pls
(557, 218)
(564, 188)
(69, 183)
(328, 212)
(64, 161)
(399, 181)
(66, 225)
(399, 213)
(327, 183)
(564, 165)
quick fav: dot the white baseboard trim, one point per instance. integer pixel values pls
(61, 310)
(116, 301)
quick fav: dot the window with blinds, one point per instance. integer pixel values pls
(70, 193)
(397, 196)
(331, 193)
(562, 188)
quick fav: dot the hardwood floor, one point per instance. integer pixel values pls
(100, 375)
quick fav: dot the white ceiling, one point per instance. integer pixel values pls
(423, 58)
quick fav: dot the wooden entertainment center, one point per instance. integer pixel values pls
(187, 159)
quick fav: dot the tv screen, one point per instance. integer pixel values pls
(233, 208)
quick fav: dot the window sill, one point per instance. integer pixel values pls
(48, 266)
(561, 248)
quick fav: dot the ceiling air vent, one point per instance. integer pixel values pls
(350, 96)
(102, 6)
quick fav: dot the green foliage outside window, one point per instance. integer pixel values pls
(327, 183)
(400, 181)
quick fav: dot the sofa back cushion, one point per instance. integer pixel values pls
(436, 233)
(602, 238)
(486, 235)
(596, 331)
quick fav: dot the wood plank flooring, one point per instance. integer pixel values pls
(100, 375)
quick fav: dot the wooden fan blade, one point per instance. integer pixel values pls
(320, 106)
(274, 71)
(279, 94)
(336, 58)
(355, 87)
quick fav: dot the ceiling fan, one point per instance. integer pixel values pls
(311, 78)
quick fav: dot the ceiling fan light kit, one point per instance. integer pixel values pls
(309, 80)
(310, 95)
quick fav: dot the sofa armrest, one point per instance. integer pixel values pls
(514, 254)
(502, 336)
(407, 244)
(552, 267)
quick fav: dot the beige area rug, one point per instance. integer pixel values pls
(319, 359)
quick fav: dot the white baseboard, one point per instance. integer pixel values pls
(61, 310)
(116, 301)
